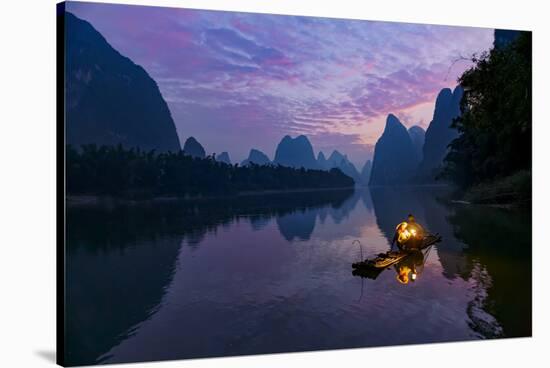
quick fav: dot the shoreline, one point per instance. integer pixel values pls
(93, 199)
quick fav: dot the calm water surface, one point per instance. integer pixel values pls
(273, 273)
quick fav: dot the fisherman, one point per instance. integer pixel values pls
(402, 235)
(408, 234)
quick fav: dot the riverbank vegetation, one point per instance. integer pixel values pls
(491, 158)
(515, 188)
(132, 173)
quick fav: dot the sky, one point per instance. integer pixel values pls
(237, 81)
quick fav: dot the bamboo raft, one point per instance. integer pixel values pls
(384, 260)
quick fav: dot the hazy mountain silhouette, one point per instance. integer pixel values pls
(322, 161)
(224, 157)
(335, 159)
(193, 148)
(295, 152)
(417, 136)
(440, 133)
(340, 161)
(257, 157)
(365, 172)
(109, 99)
(394, 155)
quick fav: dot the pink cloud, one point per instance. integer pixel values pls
(267, 75)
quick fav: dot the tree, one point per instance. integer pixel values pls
(117, 171)
(495, 124)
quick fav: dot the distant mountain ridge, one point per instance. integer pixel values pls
(439, 133)
(295, 152)
(415, 156)
(256, 157)
(395, 157)
(193, 148)
(109, 99)
(322, 161)
(224, 157)
(339, 161)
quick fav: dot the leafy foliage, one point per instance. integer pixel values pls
(495, 125)
(117, 171)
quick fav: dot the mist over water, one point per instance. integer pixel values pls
(264, 274)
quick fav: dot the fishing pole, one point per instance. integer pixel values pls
(361, 260)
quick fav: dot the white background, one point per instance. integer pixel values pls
(27, 181)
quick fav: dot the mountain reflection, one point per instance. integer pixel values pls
(254, 274)
(260, 221)
(489, 247)
(298, 224)
(121, 257)
(110, 290)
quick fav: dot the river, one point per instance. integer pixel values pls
(272, 273)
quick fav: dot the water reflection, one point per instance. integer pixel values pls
(268, 274)
(410, 267)
(427, 205)
(482, 245)
(115, 278)
(298, 224)
(408, 264)
(121, 257)
(499, 258)
(260, 221)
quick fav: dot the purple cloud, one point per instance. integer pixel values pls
(237, 81)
